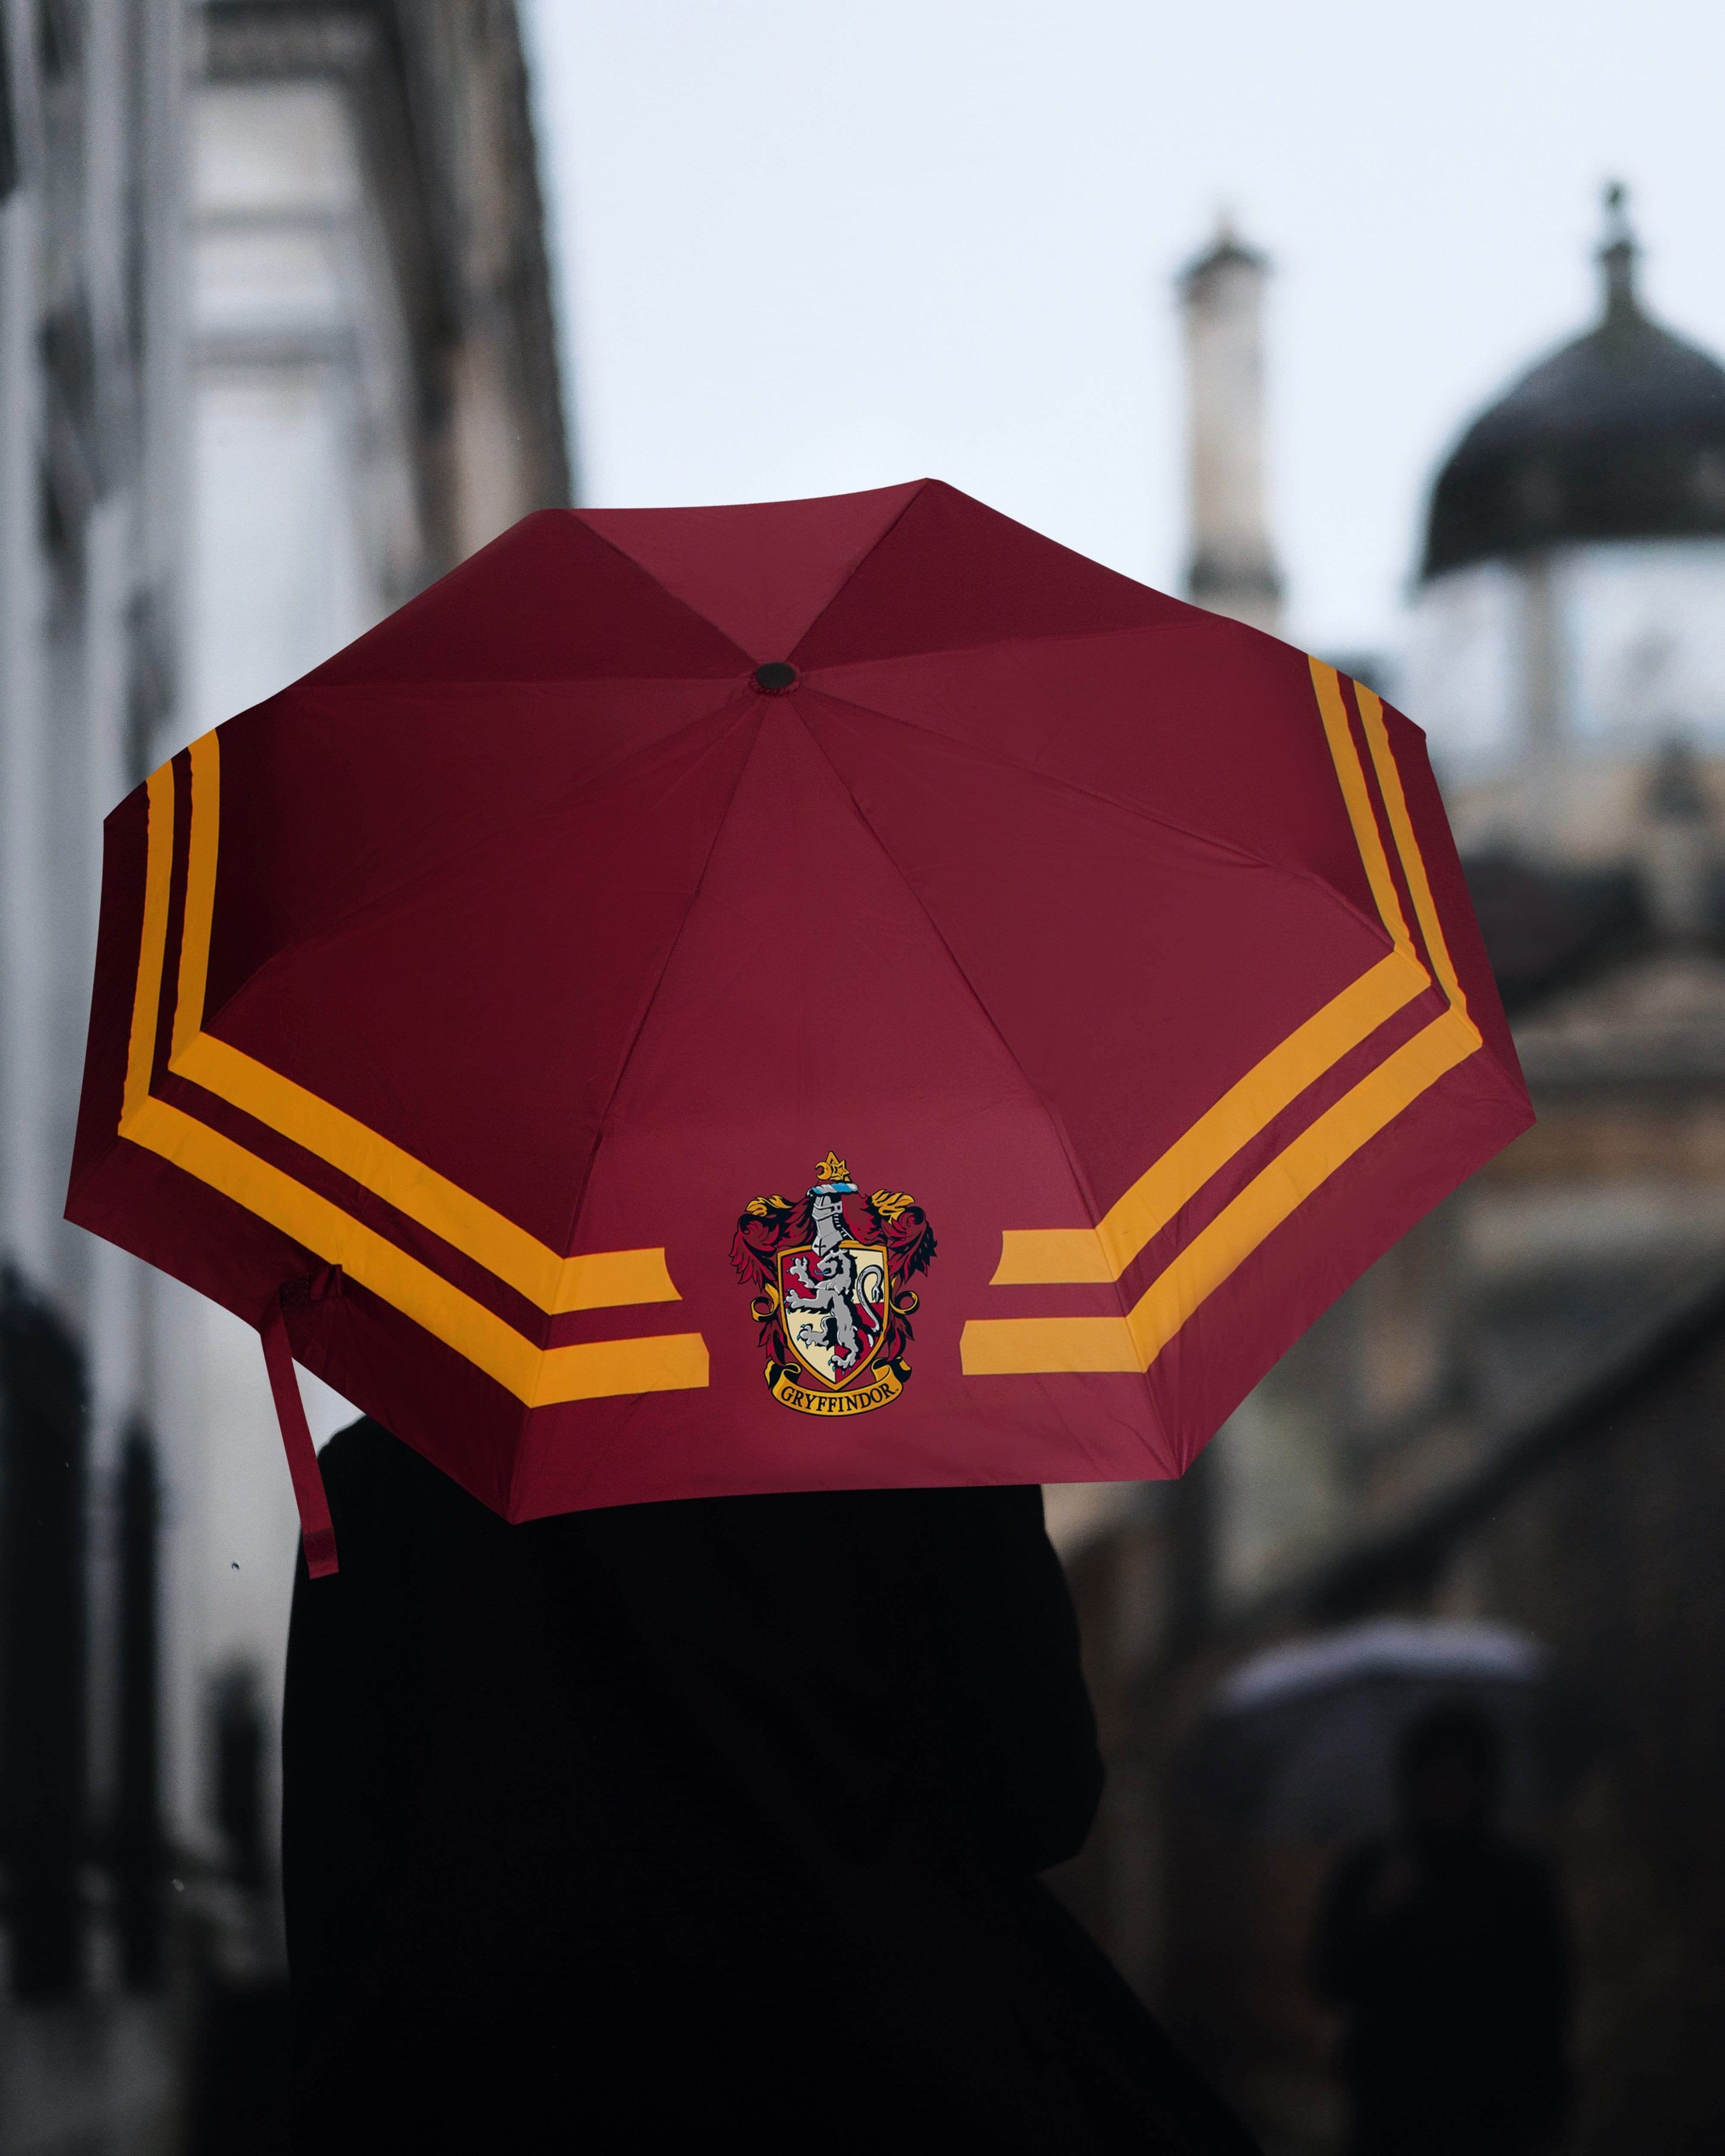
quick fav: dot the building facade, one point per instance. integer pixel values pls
(92, 413)
(276, 349)
(1514, 1416)
(374, 393)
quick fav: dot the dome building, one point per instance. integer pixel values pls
(1569, 630)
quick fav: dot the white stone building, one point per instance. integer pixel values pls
(276, 349)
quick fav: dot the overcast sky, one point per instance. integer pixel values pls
(804, 247)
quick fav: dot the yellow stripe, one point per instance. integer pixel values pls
(1281, 1188)
(1045, 1347)
(1131, 1342)
(146, 995)
(1351, 774)
(539, 1377)
(1032, 1255)
(596, 1280)
(1024, 1344)
(1401, 824)
(201, 848)
(599, 1279)
(1029, 1256)
(536, 1376)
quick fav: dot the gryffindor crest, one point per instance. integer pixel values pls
(832, 1290)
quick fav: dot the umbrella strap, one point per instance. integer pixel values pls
(317, 1529)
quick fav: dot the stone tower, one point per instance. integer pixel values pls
(1232, 570)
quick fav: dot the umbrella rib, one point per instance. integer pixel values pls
(622, 554)
(1144, 816)
(1087, 1196)
(1373, 919)
(465, 850)
(990, 641)
(408, 681)
(868, 554)
(648, 1006)
(1151, 816)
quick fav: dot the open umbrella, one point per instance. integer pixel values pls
(813, 994)
(1299, 1744)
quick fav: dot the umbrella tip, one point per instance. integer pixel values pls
(775, 677)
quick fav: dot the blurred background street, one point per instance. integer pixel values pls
(1401, 339)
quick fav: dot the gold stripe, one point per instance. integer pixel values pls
(539, 1377)
(600, 1280)
(1351, 774)
(202, 846)
(1131, 1342)
(146, 995)
(1025, 1345)
(595, 1281)
(1029, 1346)
(1034, 1256)
(1281, 1188)
(1401, 824)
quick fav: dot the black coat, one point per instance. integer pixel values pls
(693, 1823)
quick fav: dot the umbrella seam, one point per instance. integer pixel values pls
(985, 642)
(1372, 921)
(651, 1003)
(641, 569)
(917, 487)
(375, 680)
(358, 913)
(361, 1037)
(922, 652)
(981, 643)
(868, 554)
(676, 599)
(1079, 1181)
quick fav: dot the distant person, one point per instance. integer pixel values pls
(698, 1825)
(1445, 1947)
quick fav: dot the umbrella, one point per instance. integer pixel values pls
(1299, 1744)
(813, 994)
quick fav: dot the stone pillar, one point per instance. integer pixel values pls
(1680, 860)
(1232, 570)
(1545, 690)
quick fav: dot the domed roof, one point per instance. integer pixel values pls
(1621, 436)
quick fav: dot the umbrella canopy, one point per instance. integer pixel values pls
(814, 994)
(1299, 1744)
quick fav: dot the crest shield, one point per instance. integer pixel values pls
(834, 1304)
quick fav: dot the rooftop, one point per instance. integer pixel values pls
(1618, 435)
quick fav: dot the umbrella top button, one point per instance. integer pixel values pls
(775, 677)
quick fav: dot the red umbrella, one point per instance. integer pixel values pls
(818, 995)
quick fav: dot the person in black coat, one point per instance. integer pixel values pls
(1445, 1947)
(698, 1823)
